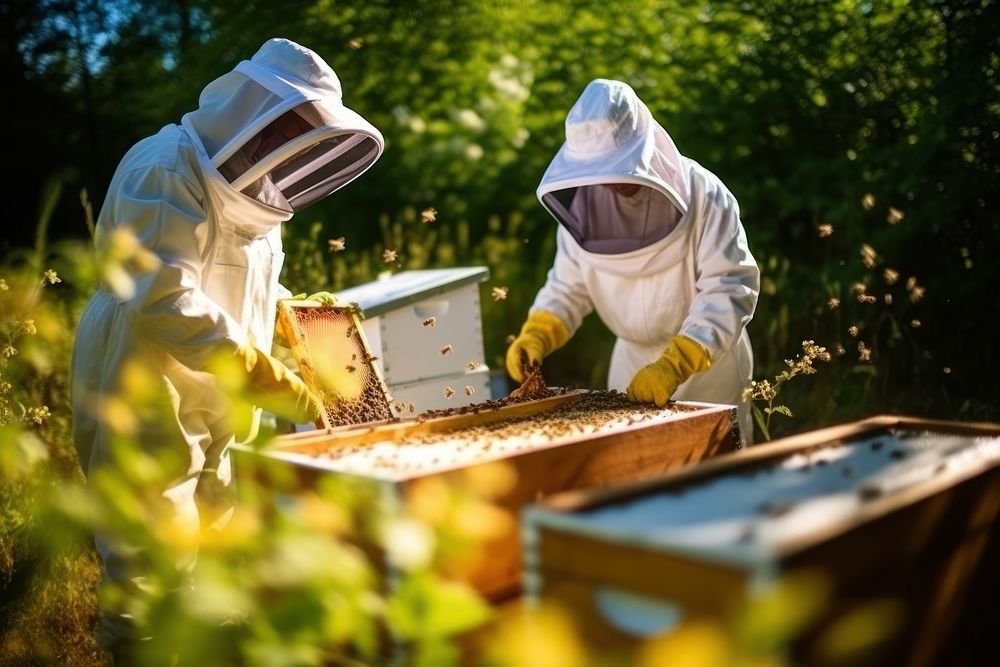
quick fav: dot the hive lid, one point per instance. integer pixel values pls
(406, 287)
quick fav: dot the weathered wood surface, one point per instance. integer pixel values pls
(635, 452)
(929, 547)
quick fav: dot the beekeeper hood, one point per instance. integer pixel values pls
(277, 130)
(618, 183)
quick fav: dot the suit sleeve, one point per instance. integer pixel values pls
(166, 214)
(564, 293)
(727, 278)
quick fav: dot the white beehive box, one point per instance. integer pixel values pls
(410, 352)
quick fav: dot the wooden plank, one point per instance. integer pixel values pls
(699, 587)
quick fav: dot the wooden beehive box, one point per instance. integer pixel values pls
(889, 508)
(641, 443)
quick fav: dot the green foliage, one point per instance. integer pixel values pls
(860, 138)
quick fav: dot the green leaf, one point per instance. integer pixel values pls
(426, 607)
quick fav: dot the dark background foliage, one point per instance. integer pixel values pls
(803, 108)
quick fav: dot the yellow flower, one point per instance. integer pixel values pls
(51, 277)
(40, 414)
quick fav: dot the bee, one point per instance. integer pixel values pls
(469, 390)
(446, 350)
(448, 392)
(350, 368)
(430, 321)
(472, 365)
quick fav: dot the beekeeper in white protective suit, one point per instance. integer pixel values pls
(653, 242)
(208, 197)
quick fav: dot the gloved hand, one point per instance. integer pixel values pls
(657, 382)
(325, 298)
(541, 335)
(276, 388)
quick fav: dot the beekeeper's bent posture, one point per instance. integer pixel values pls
(208, 197)
(653, 242)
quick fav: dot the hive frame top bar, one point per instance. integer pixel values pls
(299, 448)
(558, 512)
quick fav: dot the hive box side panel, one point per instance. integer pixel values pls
(412, 351)
(635, 454)
(466, 388)
(928, 556)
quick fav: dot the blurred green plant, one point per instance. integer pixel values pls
(785, 621)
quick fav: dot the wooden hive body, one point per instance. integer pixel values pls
(690, 432)
(919, 536)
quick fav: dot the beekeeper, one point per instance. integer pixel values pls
(207, 197)
(653, 242)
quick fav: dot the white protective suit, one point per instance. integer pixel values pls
(670, 259)
(276, 126)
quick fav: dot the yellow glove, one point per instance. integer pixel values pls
(658, 381)
(541, 335)
(276, 388)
